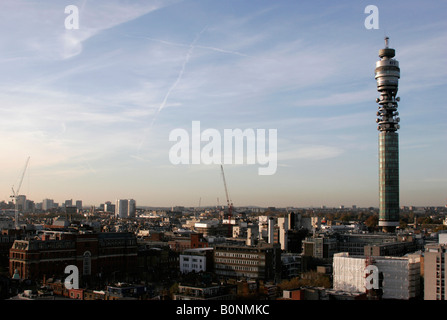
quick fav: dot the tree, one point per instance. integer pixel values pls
(345, 217)
(372, 221)
(403, 223)
(173, 289)
(311, 278)
(440, 227)
(427, 220)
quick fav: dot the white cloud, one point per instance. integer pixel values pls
(39, 28)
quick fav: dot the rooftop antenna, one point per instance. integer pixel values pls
(386, 41)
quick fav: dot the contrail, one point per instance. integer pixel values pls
(83, 5)
(184, 45)
(225, 51)
(174, 85)
(182, 70)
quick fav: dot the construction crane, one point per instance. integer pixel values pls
(230, 204)
(195, 209)
(15, 195)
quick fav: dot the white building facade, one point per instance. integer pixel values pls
(125, 208)
(194, 260)
(400, 276)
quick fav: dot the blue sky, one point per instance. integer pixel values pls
(93, 107)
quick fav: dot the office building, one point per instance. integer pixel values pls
(196, 260)
(434, 272)
(125, 208)
(131, 208)
(262, 261)
(109, 207)
(398, 278)
(47, 204)
(21, 203)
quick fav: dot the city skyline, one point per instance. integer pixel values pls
(93, 107)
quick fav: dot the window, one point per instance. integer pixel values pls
(87, 263)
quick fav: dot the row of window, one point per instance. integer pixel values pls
(237, 268)
(240, 262)
(17, 255)
(193, 259)
(237, 255)
(194, 266)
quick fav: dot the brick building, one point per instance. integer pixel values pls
(92, 253)
(7, 238)
(205, 292)
(188, 241)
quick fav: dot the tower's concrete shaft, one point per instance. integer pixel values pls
(387, 74)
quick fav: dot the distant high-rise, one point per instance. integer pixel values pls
(109, 207)
(21, 202)
(387, 74)
(125, 208)
(121, 208)
(47, 204)
(131, 208)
